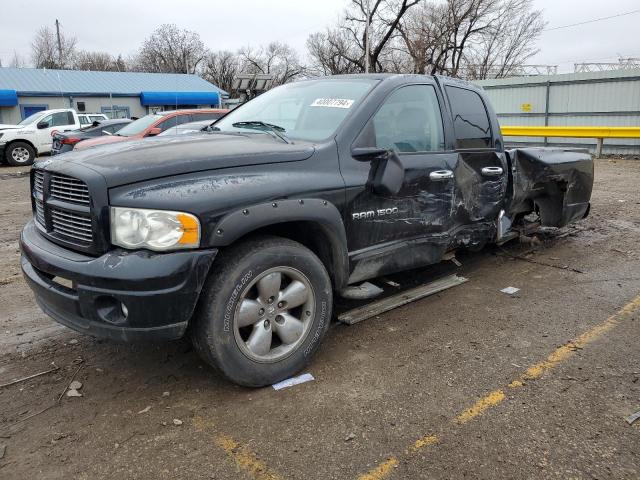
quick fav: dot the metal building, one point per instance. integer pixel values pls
(24, 91)
(575, 99)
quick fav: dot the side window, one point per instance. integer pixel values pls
(184, 119)
(168, 123)
(409, 120)
(47, 120)
(61, 119)
(108, 129)
(207, 116)
(470, 119)
(83, 120)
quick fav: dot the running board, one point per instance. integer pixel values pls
(376, 308)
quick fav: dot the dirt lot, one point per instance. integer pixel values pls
(470, 383)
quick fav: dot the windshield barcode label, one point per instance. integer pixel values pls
(332, 102)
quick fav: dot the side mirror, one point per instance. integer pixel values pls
(387, 172)
(367, 154)
(95, 123)
(154, 131)
(42, 125)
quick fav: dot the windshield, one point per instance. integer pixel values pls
(309, 110)
(31, 118)
(139, 126)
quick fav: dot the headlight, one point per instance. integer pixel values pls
(154, 229)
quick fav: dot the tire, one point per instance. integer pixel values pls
(286, 335)
(19, 154)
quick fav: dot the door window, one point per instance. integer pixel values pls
(61, 118)
(470, 119)
(409, 120)
(168, 123)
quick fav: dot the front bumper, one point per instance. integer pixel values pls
(158, 290)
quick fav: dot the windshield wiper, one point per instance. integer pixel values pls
(265, 127)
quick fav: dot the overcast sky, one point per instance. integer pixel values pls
(119, 26)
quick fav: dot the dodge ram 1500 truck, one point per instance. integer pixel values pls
(240, 237)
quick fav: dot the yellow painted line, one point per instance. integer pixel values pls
(241, 455)
(423, 442)
(496, 397)
(490, 400)
(381, 471)
(245, 459)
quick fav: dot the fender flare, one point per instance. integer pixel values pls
(322, 213)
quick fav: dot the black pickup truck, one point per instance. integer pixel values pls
(240, 237)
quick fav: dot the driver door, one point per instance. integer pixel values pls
(393, 232)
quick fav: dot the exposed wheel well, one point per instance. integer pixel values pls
(315, 238)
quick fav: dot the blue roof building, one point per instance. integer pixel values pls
(24, 91)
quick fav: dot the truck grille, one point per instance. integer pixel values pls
(70, 189)
(72, 225)
(61, 207)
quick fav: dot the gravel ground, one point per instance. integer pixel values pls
(424, 391)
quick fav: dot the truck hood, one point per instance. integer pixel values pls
(135, 161)
(4, 126)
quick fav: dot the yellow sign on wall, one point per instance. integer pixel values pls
(526, 107)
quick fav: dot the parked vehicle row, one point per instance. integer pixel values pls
(62, 130)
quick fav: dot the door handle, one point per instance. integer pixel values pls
(440, 175)
(492, 171)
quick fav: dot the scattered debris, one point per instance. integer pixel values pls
(73, 341)
(145, 410)
(290, 382)
(537, 262)
(3, 449)
(363, 291)
(510, 290)
(177, 422)
(632, 418)
(55, 368)
(350, 437)
(391, 283)
(165, 394)
(75, 385)
(73, 393)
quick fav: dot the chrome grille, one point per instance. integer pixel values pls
(38, 181)
(71, 225)
(40, 212)
(69, 189)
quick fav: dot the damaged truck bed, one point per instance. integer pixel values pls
(240, 235)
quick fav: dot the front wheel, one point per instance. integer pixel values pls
(264, 311)
(19, 154)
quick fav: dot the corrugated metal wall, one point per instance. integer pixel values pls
(580, 99)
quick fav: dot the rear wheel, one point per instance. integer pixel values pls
(264, 311)
(20, 153)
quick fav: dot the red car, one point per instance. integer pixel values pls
(153, 124)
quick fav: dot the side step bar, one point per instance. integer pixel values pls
(369, 310)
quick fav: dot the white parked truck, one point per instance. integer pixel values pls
(21, 144)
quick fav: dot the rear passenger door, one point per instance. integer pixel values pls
(481, 171)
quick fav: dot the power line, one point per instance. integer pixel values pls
(591, 21)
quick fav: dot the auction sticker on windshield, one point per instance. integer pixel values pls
(332, 102)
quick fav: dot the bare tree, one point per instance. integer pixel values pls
(332, 53)
(47, 53)
(470, 38)
(342, 50)
(99, 62)
(171, 50)
(17, 61)
(507, 44)
(277, 59)
(221, 68)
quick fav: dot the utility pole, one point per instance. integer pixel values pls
(366, 41)
(59, 43)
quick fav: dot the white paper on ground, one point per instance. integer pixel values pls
(510, 290)
(290, 382)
